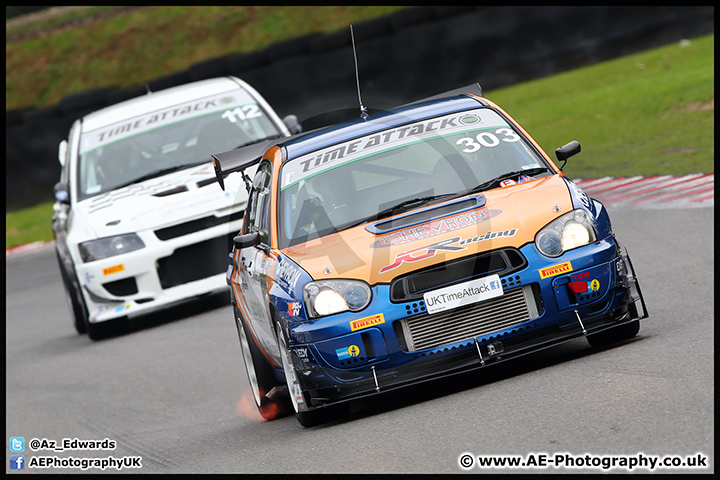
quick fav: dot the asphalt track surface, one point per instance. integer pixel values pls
(173, 391)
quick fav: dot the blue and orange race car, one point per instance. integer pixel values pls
(411, 244)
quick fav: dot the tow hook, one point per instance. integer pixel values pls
(581, 324)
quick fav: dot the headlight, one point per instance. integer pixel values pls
(572, 230)
(109, 247)
(326, 297)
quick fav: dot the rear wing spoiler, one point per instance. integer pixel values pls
(473, 88)
(239, 159)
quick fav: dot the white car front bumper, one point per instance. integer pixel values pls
(164, 272)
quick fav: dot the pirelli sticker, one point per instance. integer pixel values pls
(556, 270)
(366, 322)
(113, 269)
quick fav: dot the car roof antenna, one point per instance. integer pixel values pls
(363, 110)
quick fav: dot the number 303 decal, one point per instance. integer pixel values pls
(487, 139)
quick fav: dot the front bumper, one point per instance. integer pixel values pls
(177, 263)
(406, 345)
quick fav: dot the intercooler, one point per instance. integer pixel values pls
(423, 331)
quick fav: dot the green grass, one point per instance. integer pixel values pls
(29, 225)
(646, 114)
(134, 46)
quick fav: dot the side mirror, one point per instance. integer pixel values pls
(247, 240)
(62, 152)
(567, 151)
(61, 193)
(291, 122)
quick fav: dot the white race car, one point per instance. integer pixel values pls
(138, 223)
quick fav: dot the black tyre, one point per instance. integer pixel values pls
(108, 328)
(260, 373)
(615, 334)
(313, 417)
(75, 302)
(637, 304)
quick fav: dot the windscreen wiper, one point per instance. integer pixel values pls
(159, 173)
(505, 176)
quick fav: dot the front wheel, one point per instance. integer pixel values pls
(75, 302)
(260, 374)
(297, 398)
(77, 310)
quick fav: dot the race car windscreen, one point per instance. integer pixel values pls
(398, 169)
(160, 142)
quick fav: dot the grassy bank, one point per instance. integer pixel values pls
(29, 225)
(83, 48)
(646, 114)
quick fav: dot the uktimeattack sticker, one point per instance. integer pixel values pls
(463, 294)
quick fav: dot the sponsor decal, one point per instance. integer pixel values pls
(555, 270)
(525, 178)
(265, 263)
(113, 269)
(470, 119)
(366, 322)
(595, 285)
(347, 352)
(338, 154)
(288, 274)
(122, 307)
(579, 193)
(169, 115)
(428, 251)
(463, 294)
(435, 227)
(508, 183)
(294, 309)
(99, 310)
(423, 253)
(299, 398)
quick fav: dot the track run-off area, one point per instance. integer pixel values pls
(688, 191)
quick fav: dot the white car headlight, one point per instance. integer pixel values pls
(572, 230)
(325, 297)
(109, 247)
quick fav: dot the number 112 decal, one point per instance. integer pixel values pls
(242, 113)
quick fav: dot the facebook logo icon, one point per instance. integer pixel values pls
(17, 444)
(17, 462)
